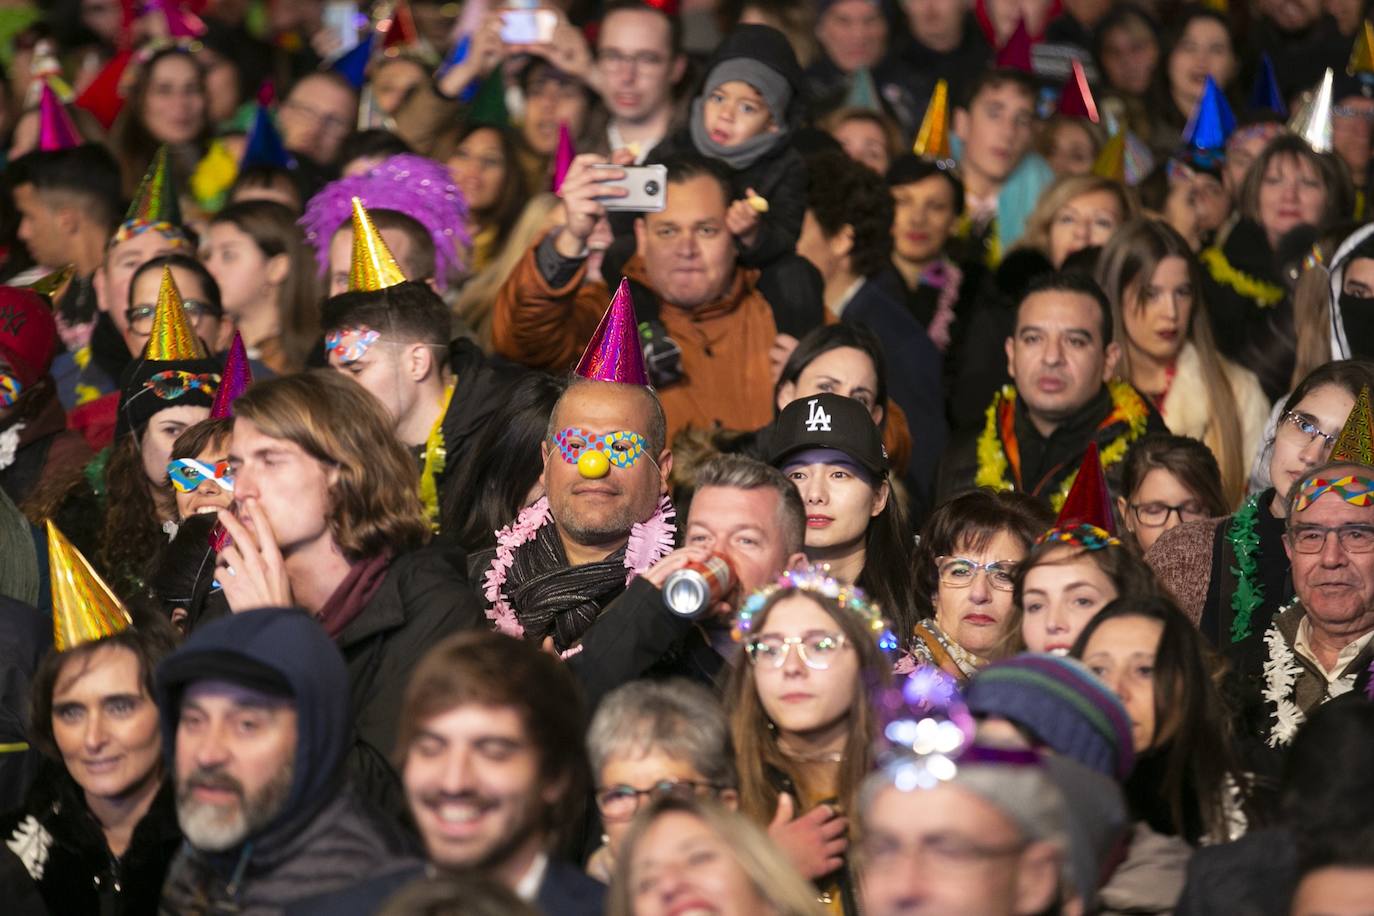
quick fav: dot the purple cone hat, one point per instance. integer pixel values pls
(614, 353)
(56, 131)
(234, 381)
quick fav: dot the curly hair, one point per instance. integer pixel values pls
(131, 537)
(841, 192)
(374, 502)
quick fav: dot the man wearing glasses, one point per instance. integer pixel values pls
(316, 115)
(1317, 645)
(639, 65)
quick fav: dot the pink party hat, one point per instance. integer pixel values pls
(55, 128)
(564, 157)
(234, 381)
(614, 354)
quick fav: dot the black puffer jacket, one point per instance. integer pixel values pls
(55, 858)
(325, 837)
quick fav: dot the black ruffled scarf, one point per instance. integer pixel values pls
(552, 598)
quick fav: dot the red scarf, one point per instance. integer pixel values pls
(353, 593)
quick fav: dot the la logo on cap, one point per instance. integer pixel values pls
(817, 420)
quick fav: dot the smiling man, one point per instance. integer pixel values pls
(1317, 646)
(1062, 359)
(256, 708)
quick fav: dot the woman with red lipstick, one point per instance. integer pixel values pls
(98, 827)
(965, 565)
(1153, 281)
(803, 721)
(1232, 574)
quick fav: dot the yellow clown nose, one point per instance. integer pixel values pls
(593, 464)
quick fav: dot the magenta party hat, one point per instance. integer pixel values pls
(55, 128)
(614, 354)
(562, 159)
(234, 381)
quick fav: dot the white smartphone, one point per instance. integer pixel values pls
(647, 186)
(528, 27)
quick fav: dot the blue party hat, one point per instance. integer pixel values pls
(352, 64)
(1266, 95)
(1212, 122)
(265, 145)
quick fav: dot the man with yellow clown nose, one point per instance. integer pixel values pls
(1319, 645)
(605, 516)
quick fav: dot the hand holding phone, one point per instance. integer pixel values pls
(645, 187)
(528, 27)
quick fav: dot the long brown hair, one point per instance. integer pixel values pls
(1312, 304)
(1189, 461)
(272, 227)
(134, 146)
(757, 753)
(375, 501)
(1132, 256)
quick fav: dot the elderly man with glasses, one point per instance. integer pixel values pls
(1317, 645)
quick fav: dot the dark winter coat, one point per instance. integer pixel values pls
(55, 858)
(324, 837)
(478, 397)
(46, 448)
(25, 634)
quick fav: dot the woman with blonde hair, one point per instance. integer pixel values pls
(693, 848)
(1154, 283)
(802, 717)
(1077, 212)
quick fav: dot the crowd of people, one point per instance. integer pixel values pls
(766, 456)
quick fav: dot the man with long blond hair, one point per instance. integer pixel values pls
(327, 517)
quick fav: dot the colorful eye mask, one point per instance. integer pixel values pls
(1356, 490)
(1089, 537)
(187, 474)
(173, 383)
(10, 389)
(350, 344)
(622, 447)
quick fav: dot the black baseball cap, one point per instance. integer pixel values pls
(828, 421)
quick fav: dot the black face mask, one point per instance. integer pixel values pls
(1357, 318)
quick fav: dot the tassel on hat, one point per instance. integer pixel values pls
(563, 158)
(1312, 121)
(171, 338)
(932, 140)
(1266, 95)
(234, 381)
(373, 267)
(614, 353)
(56, 131)
(1076, 99)
(84, 608)
(1356, 441)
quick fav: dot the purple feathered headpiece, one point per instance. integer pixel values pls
(418, 187)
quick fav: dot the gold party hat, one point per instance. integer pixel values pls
(83, 607)
(1355, 443)
(171, 338)
(932, 140)
(1362, 54)
(49, 284)
(373, 267)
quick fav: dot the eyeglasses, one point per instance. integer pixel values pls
(140, 317)
(818, 649)
(1307, 427)
(644, 60)
(619, 803)
(1312, 538)
(1156, 515)
(959, 572)
(941, 851)
(330, 122)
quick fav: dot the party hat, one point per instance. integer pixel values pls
(55, 128)
(352, 64)
(1362, 54)
(863, 95)
(1266, 95)
(1076, 100)
(182, 23)
(668, 8)
(489, 105)
(932, 140)
(155, 201)
(373, 267)
(401, 33)
(1355, 443)
(235, 379)
(265, 146)
(48, 284)
(171, 337)
(103, 97)
(564, 157)
(1312, 121)
(1124, 158)
(614, 354)
(84, 608)
(1088, 502)
(1016, 53)
(44, 70)
(1211, 122)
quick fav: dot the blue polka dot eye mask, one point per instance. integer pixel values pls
(348, 345)
(622, 448)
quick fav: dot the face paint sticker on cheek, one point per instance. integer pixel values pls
(595, 455)
(350, 344)
(10, 389)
